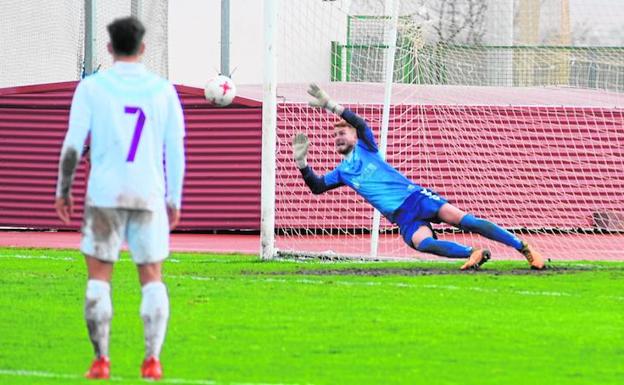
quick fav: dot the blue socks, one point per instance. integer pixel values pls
(475, 225)
(444, 248)
(489, 230)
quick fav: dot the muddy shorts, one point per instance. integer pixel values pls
(105, 229)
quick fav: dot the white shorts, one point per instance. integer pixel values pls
(104, 229)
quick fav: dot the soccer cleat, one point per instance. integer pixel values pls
(477, 258)
(535, 259)
(99, 370)
(151, 369)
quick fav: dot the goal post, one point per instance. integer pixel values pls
(528, 136)
(269, 127)
(391, 7)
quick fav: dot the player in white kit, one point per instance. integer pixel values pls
(134, 118)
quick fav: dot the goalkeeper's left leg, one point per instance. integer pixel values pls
(468, 222)
(489, 230)
(419, 235)
(454, 216)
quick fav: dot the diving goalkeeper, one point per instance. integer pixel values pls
(412, 207)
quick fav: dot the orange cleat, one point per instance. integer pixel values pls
(477, 258)
(151, 369)
(100, 369)
(535, 259)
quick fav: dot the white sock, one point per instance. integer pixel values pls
(155, 314)
(98, 314)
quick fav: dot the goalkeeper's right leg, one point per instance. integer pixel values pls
(424, 240)
(534, 258)
(476, 256)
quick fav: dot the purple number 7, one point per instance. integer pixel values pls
(138, 128)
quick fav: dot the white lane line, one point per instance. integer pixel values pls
(51, 258)
(320, 282)
(48, 257)
(36, 373)
(179, 381)
(391, 284)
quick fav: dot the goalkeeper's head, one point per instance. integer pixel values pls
(345, 137)
(126, 37)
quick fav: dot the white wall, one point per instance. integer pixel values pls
(195, 41)
(306, 29)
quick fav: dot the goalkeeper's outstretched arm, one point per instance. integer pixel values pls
(317, 184)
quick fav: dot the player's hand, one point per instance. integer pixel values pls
(64, 208)
(174, 216)
(300, 146)
(322, 100)
(320, 97)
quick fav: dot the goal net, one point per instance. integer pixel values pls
(44, 41)
(501, 107)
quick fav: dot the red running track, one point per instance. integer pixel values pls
(550, 245)
(213, 243)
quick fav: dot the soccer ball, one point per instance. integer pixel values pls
(220, 91)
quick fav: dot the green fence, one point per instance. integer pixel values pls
(517, 66)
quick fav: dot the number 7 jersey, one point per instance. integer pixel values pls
(136, 125)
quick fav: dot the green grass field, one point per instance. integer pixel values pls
(237, 320)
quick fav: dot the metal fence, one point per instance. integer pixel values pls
(513, 66)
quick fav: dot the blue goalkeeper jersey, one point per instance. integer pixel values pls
(366, 172)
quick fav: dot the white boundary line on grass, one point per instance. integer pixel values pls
(180, 381)
(23, 256)
(302, 261)
(395, 284)
(359, 283)
(50, 258)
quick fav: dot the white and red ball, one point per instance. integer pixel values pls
(220, 91)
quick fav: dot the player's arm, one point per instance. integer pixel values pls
(79, 125)
(322, 100)
(317, 184)
(174, 157)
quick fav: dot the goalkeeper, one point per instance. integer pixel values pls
(408, 205)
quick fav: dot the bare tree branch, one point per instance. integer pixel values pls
(459, 21)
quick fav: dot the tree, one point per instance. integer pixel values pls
(459, 21)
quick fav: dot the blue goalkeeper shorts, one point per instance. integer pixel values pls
(419, 209)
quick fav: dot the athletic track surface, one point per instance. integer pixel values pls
(250, 244)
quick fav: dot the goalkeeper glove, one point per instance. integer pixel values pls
(300, 150)
(322, 100)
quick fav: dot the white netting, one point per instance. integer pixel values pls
(43, 41)
(491, 107)
(153, 14)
